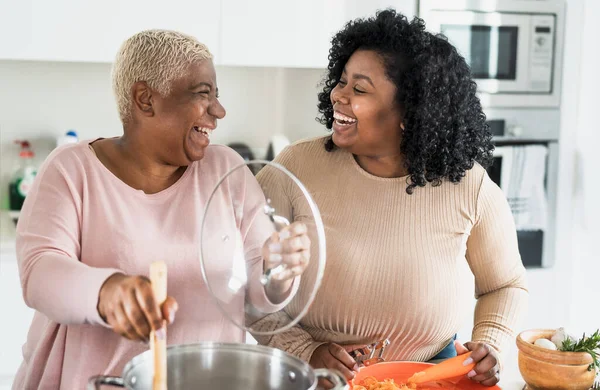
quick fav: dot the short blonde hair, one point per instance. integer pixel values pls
(157, 57)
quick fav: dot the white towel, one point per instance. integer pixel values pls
(523, 175)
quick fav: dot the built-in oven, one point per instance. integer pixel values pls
(513, 47)
(525, 167)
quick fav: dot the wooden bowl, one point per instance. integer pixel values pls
(546, 369)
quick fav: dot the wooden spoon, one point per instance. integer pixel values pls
(158, 346)
(447, 369)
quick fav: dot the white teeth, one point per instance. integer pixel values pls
(204, 130)
(344, 118)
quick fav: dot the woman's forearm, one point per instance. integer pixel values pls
(63, 289)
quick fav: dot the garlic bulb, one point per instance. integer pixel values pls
(559, 336)
(545, 343)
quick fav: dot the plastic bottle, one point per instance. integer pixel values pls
(70, 137)
(23, 177)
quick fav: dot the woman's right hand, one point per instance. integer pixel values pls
(127, 304)
(334, 357)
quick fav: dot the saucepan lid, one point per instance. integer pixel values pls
(244, 276)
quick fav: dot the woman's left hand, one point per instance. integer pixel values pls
(487, 369)
(291, 247)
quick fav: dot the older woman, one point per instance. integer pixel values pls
(410, 213)
(100, 212)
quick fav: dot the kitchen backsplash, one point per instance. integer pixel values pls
(40, 101)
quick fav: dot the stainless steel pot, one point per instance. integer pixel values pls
(214, 366)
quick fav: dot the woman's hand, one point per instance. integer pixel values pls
(335, 357)
(487, 369)
(127, 304)
(291, 247)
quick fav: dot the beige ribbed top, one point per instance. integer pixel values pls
(399, 266)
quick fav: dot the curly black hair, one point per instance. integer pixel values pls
(445, 129)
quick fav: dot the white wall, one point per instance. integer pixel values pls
(584, 309)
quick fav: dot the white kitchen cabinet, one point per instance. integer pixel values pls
(361, 9)
(289, 33)
(270, 33)
(92, 31)
(16, 318)
(279, 33)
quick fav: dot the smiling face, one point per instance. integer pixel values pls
(367, 119)
(178, 126)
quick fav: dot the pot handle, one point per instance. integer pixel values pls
(95, 382)
(333, 376)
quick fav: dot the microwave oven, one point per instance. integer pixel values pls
(513, 47)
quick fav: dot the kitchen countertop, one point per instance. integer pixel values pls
(508, 386)
(512, 385)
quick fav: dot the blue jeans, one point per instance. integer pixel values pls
(446, 353)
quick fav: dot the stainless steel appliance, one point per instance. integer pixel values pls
(514, 47)
(223, 366)
(515, 131)
(515, 50)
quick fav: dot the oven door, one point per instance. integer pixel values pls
(495, 45)
(500, 170)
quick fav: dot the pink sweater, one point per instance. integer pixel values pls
(80, 224)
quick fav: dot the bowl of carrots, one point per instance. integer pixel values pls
(396, 375)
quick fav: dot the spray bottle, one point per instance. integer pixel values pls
(23, 177)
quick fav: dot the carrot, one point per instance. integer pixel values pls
(450, 368)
